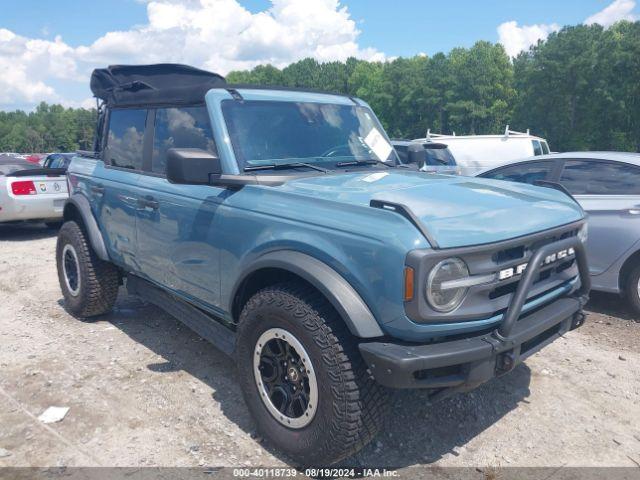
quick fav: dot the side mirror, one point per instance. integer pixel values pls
(416, 155)
(191, 166)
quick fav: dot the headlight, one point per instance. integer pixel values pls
(583, 233)
(442, 292)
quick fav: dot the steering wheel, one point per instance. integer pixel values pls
(338, 151)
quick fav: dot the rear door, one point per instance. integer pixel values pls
(176, 223)
(610, 193)
(112, 187)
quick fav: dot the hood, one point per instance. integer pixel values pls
(457, 211)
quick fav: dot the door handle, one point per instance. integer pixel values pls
(97, 189)
(148, 202)
(634, 211)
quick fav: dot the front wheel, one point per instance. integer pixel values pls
(89, 285)
(303, 378)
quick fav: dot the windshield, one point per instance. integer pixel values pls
(276, 132)
(439, 157)
(58, 161)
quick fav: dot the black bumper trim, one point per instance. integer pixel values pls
(475, 360)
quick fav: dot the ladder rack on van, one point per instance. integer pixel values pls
(507, 133)
(437, 135)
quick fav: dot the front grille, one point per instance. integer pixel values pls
(521, 252)
(508, 255)
(507, 261)
(519, 255)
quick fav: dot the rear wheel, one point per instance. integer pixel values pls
(89, 285)
(303, 378)
(632, 290)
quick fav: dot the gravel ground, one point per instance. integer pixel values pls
(145, 391)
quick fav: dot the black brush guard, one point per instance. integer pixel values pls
(462, 364)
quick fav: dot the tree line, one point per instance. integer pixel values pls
(49, 128)
(580, 89)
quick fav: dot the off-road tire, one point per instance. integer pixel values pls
(99, 280)
(631, 290)
(351, 405)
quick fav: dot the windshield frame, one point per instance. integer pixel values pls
(302, 98)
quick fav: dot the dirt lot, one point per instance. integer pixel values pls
(143, 390)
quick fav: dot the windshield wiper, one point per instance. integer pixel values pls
(284, 166)
(354, 163)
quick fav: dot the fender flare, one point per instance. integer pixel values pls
(347, 302)
(83, 207)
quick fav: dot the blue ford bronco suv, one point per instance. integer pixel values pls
(280, 226)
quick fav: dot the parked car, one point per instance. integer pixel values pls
(607, 185)
(476, 153)
(277, 225)
(428, 157)
(31, 193)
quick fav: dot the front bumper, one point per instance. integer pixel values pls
(464, 363)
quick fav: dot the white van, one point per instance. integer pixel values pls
(474, 153)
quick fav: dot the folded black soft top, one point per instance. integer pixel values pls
(159, 84)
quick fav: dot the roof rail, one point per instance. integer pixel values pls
(432, 135)
(508, 133)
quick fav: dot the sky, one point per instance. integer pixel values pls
(49, 48)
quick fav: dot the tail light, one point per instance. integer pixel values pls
(25, 187)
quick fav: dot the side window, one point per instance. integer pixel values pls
(180, 128)
(125, 138)
(528, 172)
(582, 177)
(537, 148)
(545, 148)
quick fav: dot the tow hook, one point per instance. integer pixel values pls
(505, 363)
(577, 320)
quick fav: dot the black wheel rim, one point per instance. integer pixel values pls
(71, 269)
(286, 382)
(285, 376)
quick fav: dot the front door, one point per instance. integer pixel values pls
(176, 227)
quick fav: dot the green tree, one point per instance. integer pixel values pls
(49, 128)
(482, 88)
